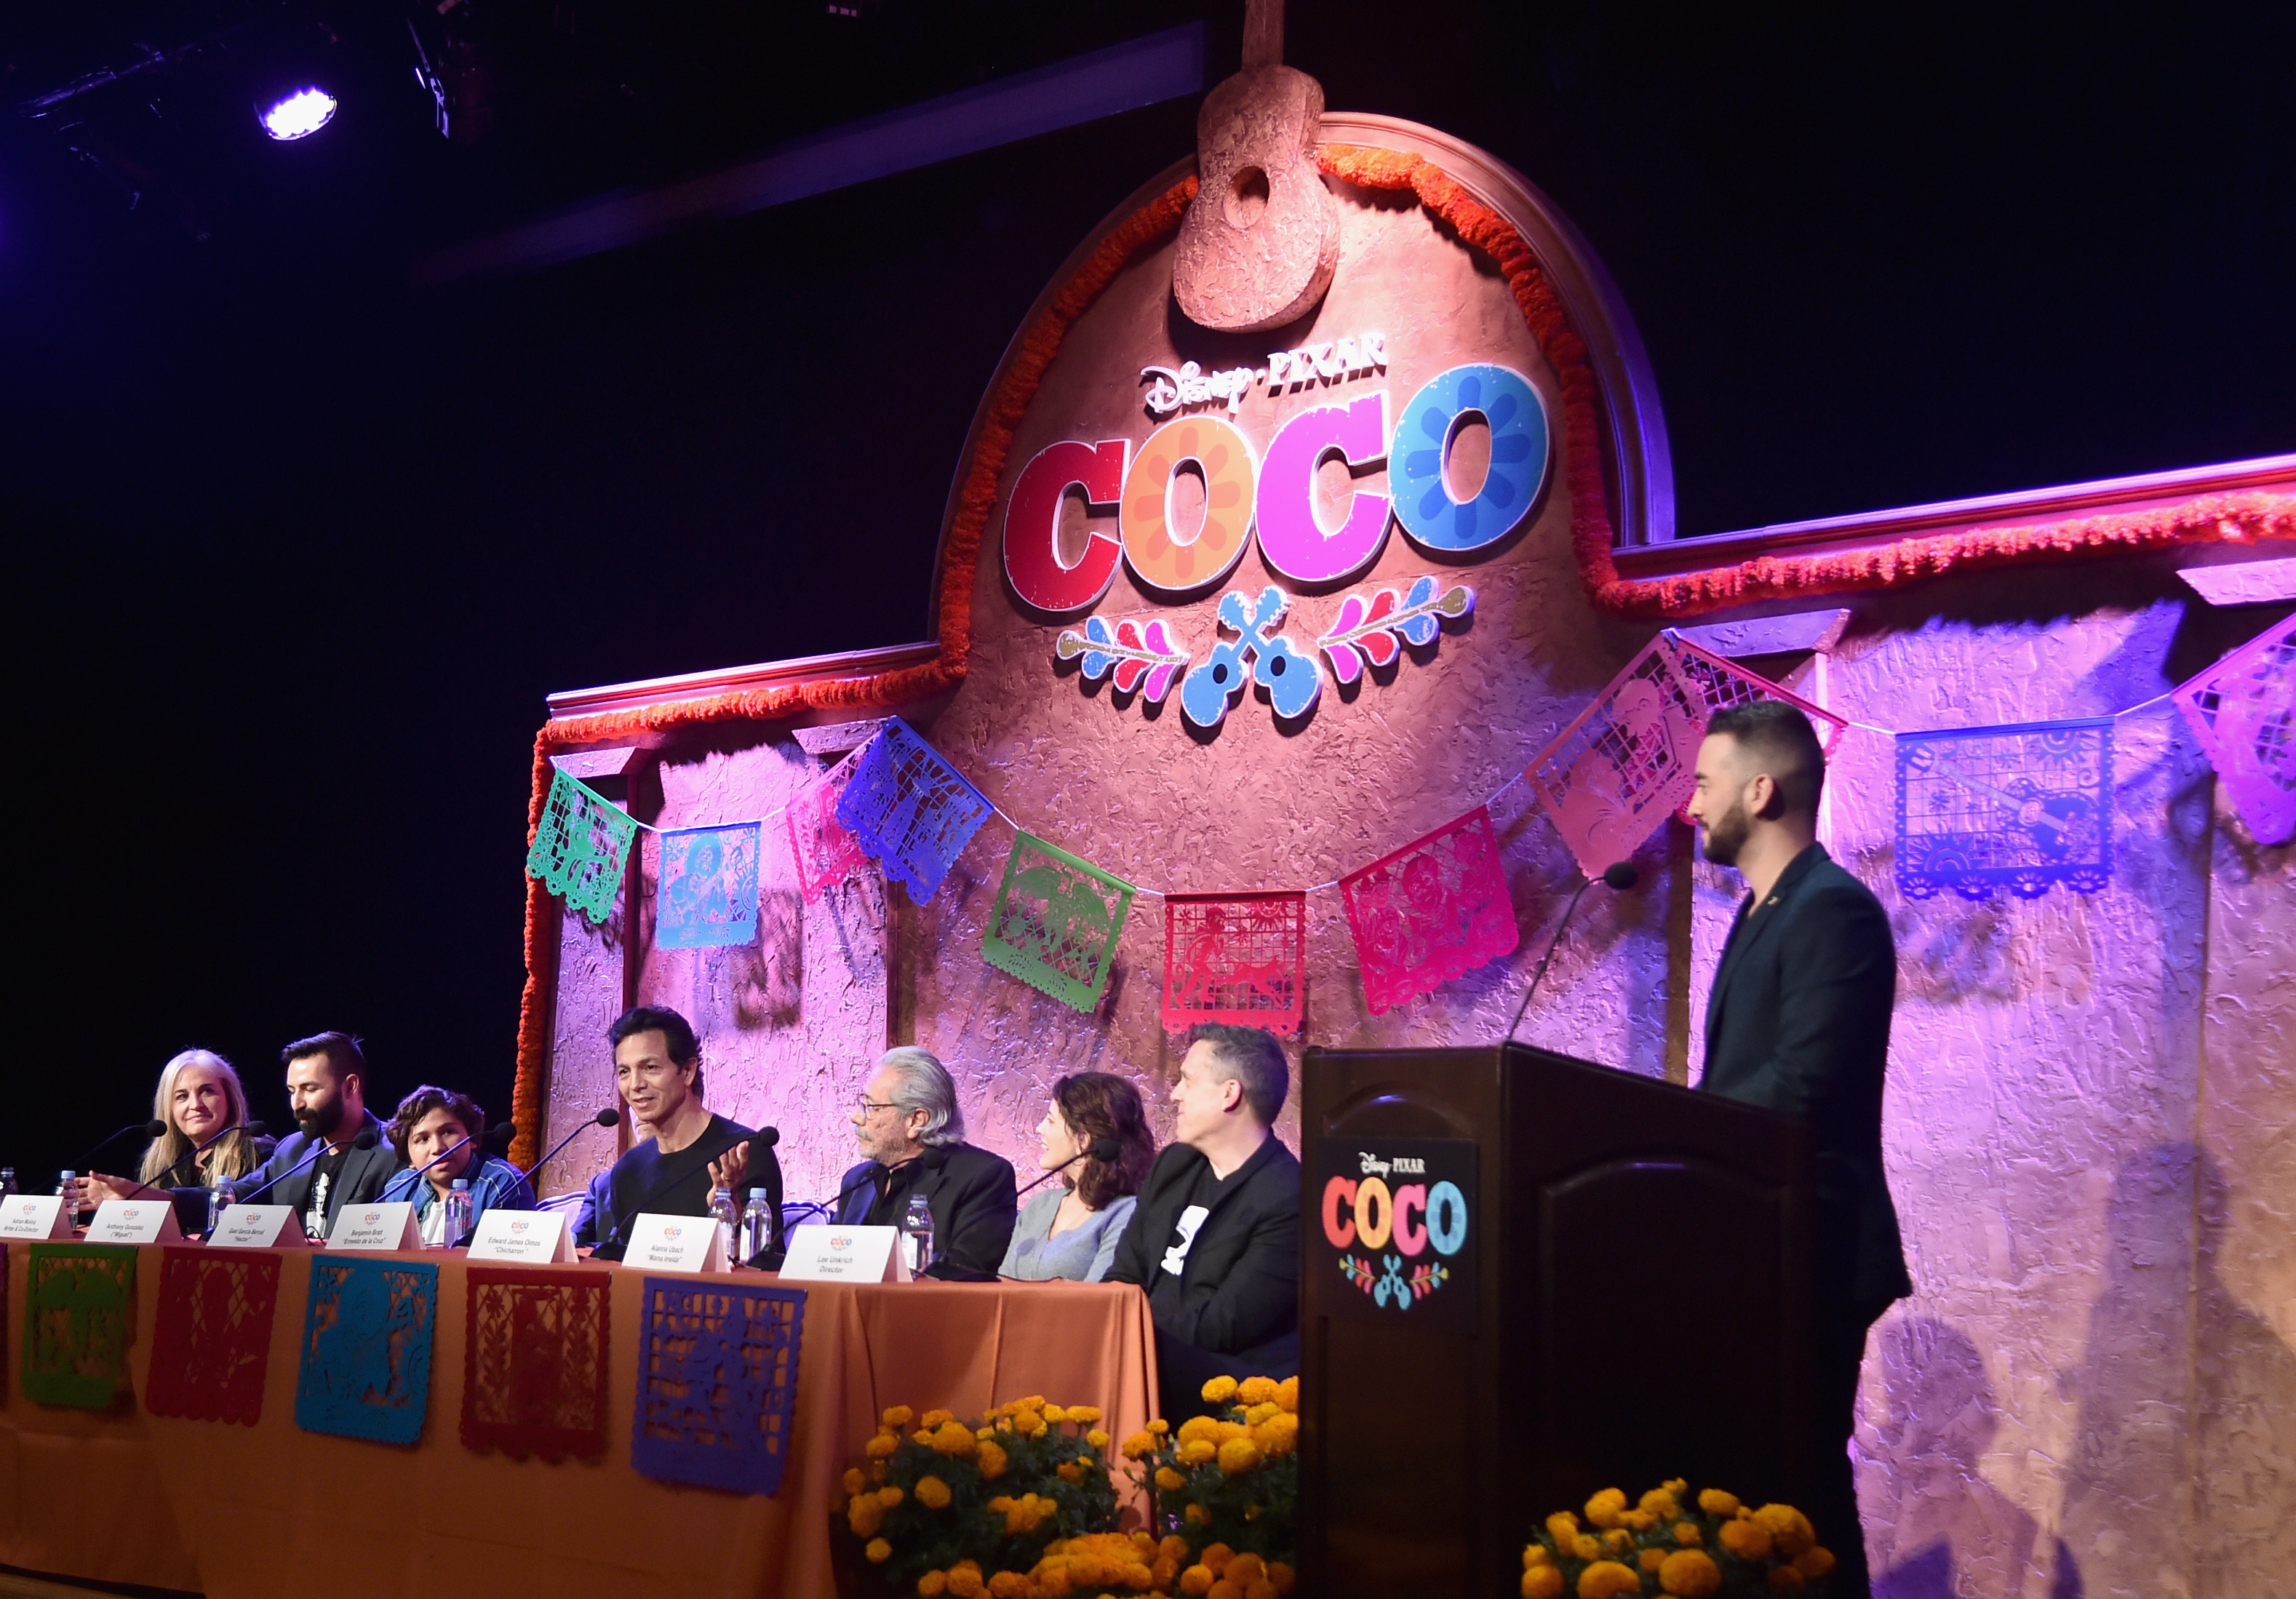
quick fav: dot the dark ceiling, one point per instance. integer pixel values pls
(296, 549)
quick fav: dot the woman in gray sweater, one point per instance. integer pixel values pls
(1070, 1228)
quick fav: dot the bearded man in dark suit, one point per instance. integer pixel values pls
(1799, 1022)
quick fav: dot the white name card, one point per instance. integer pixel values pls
(677, 1244)
(376, 1227)
(259, 1227)
(35, 1215)
(530, 1237)
(823, 1254)
(134, 1221)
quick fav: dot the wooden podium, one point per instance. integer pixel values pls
(1614, 1290)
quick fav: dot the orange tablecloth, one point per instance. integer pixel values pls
(241, 1513)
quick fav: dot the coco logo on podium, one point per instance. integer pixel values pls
(1395, 1221)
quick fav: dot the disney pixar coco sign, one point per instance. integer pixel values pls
(1397, 1223)
(1265, 493)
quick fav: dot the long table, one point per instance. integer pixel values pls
(271, 1512)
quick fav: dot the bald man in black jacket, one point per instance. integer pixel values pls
(1799, 1022)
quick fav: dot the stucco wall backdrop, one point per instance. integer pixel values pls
(2092, 1391)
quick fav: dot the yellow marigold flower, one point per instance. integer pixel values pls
(1561, 1527)
(1008, 1584)
(984, 1433)
(1246, 1567)
(1039, 1429)
(1215, 1558)
(1198, 1427)
(881, 1446)
(864, 1515)
(1172, 1547)
(1287, 1394)
(964, 1581)
(1535, 1554)
(1652, 1558)
(1690, 1574)
(1228, 1430)
(1238, 1455)
(1785, 1579)
(891, 1494)
(1220, 1390)
(1687, 1535)
(1542, 1582)
(1198, 1450)
(1085, 1414)
(1714, 1501)
(1660, 1503)
(1748, 1540)
(1138, 1577)
(1169, 1480)
(1257, 1390)
(1260, 1413)
(1585, 1548)
(1641, 1520)
(1195, 1515)
(1225, 1588)
(1608, 1580)
(932, 1419)
(1788, 1527)
(954, 1437)
(1096, 1439)
(1159, 1426)
(1676, 1485)
(1618, 1541)
(1163, 1574)
(932, 1493)
(932, 1585)
(1067, 1470)
(1140, 1446)
(878, 1551)
(1054, 1413)
(1195, 1579)
(898, 1417)
(992, 1459)
(1605, 1508)
(854, 1480)
(1815, 1561)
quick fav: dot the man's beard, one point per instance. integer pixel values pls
(322, 1124)
(1726, 834)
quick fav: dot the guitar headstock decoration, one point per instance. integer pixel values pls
(1261, 238)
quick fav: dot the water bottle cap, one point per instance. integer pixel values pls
(462, 1185)
(759, 1193)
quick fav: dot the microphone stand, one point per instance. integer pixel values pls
(253, 1129)
(1619, 876)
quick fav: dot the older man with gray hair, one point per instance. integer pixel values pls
(910, 1130)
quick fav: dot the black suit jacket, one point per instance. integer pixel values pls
(1799, 1022)
(973, 1200)
(360, 1182)
(1240, 1283)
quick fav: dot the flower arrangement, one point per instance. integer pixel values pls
(1227, 1489)
(1669, 1543)
(1018, 1505)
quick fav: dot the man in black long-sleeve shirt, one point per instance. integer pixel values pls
(1214, 1238)
(908, 1124)
(1799, 1022)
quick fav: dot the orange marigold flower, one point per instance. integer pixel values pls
(1215, 1558)
(1562, 1526)
(1287, 1394)
(1542, 1582)
(1055, 1413)
(1169, 1480)
(1660, 1502)
(1196, 1580)
(1067, 1470)
(1618, 1541)
(1279, 1576)
(1260, 1413)
(898, 1417)
(932, 1585)
(1641, 1520)
(864, 1515)
(1162, 1574)
(1226, 1588)
(1246, 1567)
(1261, 1589)
(954, 1437)
(1084, 1416)
(1690, 1574)
(1238, 1455)
(1535, 1554)
(1096, 1438)
(1605, 1508)
(1714, 1501)
(932, 1493)
(935, 1418)
(1676, 1485)
(878, 1551)
(1815, 1561)
(1651, 1558)
(1220, 1390)
(1748, 1540)
(1159, 1426)
(1585, 1548)
(1196, 1451)
(1140, 1446)
(1785, 1579)
(1195, 1515)
(1687, 1535)
(881, 1446)
(1608, 1580)
(854, 1480)
(1788, 1527)
(992, 1458)
(965, 1583)
(1255, 1390)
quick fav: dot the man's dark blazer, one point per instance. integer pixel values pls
(1799, 1022)
(364, 1173)
(974, 1201)
(1240, 1284)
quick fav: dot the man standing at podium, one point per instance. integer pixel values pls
(1799, 1022)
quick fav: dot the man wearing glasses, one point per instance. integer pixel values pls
(913, 1135)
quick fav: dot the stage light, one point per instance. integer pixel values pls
(298, 115)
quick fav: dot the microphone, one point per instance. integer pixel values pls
(603, 1119)
(933, 1159)
(1103, 1149)
(153, 1129)
(367, 1139)
(1618, 876)
(253, 1129)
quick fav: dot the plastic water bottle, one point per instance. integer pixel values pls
(721, 1209)
(219, 1201)
(68, 1191)
(757, 1226)
(916, 1235)
(458, 1213)
(7, 1181)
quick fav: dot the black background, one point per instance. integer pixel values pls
(294, 551)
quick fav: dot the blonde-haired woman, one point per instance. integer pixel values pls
(199, 1097)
